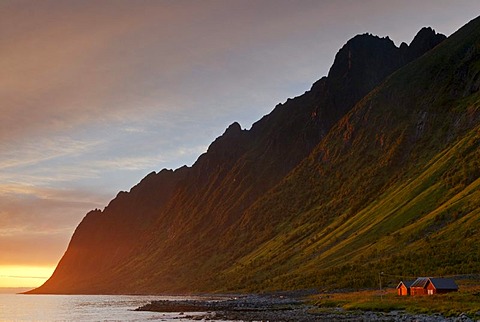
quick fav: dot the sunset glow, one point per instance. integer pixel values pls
(24, 276)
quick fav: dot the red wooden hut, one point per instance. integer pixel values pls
(403, 288)
(441, 285)
(431, 285)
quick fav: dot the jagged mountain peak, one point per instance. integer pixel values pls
(425, 38)
(367, 49)
(427, 35)
(233, 129)
(359, 51)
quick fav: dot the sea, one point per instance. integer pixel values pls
(19, 307)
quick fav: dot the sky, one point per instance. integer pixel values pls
(94, 95)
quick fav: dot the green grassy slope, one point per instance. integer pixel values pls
(421, 225)
(394, 187)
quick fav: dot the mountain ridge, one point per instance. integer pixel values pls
(218, 202)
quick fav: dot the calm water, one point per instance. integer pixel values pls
(15, 307)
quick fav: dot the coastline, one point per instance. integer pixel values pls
(281, 308)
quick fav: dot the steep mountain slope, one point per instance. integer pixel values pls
(187, 229)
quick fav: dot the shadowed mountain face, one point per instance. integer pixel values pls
(280, 205)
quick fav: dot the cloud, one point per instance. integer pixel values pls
(43, 209)
(70, 64)
(33, 249)
(36, 223)
(38, 150)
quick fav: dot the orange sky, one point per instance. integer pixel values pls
(96, 94)
(24, 276)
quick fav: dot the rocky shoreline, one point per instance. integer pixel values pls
(280, 308)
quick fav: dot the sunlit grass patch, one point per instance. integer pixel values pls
(467, 301)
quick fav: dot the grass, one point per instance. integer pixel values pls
(466, 300)
(430, 213)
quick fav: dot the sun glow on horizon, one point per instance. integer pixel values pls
(24, 276)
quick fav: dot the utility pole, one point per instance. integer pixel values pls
(380, 281)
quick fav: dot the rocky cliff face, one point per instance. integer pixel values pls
(423, 42)
(177, 230)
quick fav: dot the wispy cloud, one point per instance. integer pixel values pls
(35, 230)
(19, 276)
(35, 151)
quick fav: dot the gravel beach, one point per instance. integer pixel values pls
(281, 308)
